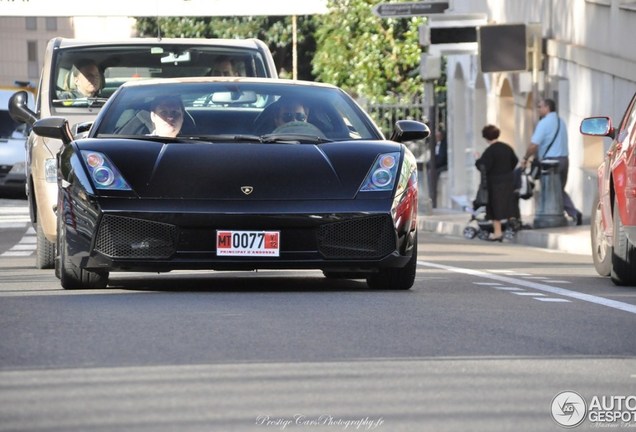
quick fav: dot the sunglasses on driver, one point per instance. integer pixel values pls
(298, 116)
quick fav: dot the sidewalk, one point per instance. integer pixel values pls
(571, 239)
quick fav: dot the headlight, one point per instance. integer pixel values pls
(50, 171)
(383, 173)
(18, 168)
(102, 171)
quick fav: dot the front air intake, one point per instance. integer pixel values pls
(125, 237)
(361, 238)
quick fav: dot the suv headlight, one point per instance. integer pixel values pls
(50, 170)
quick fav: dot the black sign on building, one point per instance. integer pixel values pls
(503, 48)
(445, 35)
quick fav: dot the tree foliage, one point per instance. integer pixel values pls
(275, 31)
(372, 58)
(375, 58)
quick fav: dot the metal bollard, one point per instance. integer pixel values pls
(425, 202)
(550, 209)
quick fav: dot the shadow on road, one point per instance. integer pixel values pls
(236, 282)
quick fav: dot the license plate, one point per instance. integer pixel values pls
(247, 243)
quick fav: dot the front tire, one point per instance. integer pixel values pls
(623, 254)
(72, 276)
(45, 250)
(398, 279)
(601, 249)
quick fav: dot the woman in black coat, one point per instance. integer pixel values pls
(499, 161)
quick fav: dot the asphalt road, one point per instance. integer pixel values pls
(484, 341)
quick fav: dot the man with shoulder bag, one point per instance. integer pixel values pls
(550, 141)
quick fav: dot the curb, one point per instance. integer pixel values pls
(574, 240)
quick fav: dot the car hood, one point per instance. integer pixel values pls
(11, 151)
(229, 171)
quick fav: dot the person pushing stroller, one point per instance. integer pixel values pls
(498, 163)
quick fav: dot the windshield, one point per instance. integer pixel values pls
(273, 110)
(88, 76)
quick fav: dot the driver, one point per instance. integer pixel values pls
(87, 80)
(292, 111)
(166, 114)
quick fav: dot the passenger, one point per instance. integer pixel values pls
(224, 67)
(166, 114)
(87, 80)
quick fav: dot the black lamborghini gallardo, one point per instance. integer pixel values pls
(263, 174)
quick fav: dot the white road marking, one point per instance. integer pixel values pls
(625, 307)
(18, 217)
(14, 217)
(13, 253)
(508, 272)
(525, 293)
(11, 225)
(553, 300)
(23, 247)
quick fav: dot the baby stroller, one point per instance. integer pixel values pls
(480, 227)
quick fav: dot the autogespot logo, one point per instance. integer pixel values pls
(568, 409)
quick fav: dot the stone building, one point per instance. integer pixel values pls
(23, 41)
(587, 65)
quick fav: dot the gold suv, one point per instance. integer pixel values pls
(77, 79)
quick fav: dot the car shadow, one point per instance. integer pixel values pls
(234, 282)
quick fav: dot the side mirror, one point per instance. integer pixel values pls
(19, 110)
(597, 126)
(409, 130)
(54, 127)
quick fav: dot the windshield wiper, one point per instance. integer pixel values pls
(294, 139)
(224, 138)
(81, 102)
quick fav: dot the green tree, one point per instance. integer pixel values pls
(370, 57)
(375, 59)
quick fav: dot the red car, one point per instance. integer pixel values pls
(613, 229)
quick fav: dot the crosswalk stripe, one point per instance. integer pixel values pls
(11, 217)
(12, 253)
(18, 218)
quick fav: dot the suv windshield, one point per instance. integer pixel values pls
(87, 76)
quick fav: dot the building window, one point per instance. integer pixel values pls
(32, 57)
(51, 24)
(31, 23)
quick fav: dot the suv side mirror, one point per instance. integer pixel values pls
(54, 127)
(19, 110)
